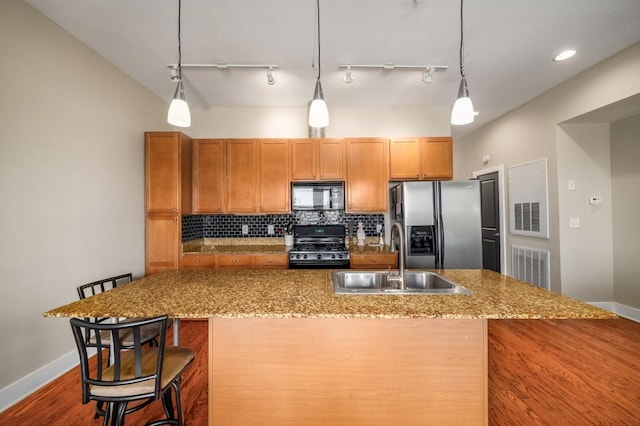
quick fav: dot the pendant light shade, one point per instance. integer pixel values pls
(462, 112)
(318, 112)
(179, 114)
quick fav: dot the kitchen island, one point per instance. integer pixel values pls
(285, 350)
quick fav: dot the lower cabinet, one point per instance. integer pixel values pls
(161, 249)
(374, 260)
(235, 261)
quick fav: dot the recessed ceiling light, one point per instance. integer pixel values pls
(564, 55)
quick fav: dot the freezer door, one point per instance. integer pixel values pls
(460, 241)
(418, 212)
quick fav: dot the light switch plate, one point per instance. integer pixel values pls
(245, 229)
(571, 185)
(574, 222)
(595, 200)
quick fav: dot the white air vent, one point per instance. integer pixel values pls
(530, 265)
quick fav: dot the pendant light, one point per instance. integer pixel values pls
(318, 112)
(179, 114)
(462, 112)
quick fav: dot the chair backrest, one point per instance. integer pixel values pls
(100, 286)
(131, 364)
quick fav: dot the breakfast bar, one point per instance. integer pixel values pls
(284, 349)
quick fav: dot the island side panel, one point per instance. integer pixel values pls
(315, 371)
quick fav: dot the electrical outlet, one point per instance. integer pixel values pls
(595, 200)
(270, 230)
(245, 229)
(378, 228)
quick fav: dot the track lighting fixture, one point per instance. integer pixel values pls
(270, 68)
(179, 114)
(271, 77)
(427, 70)
(462, 112)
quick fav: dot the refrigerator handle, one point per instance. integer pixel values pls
(438, 222)
(441, 228)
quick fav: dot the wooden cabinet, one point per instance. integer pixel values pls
(382, 260)
(168, 187)
(421, 158)
(208, 176)
(233, 261)
(241, 176)
(273, 179)
(437, 158)
(196, 261)
(367, 175)
(317, 159)
(271, 261)
(161, 249)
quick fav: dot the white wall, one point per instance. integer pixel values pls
(583, 157)
(530, 133)
(625, 177)
(71, 181)
(345, 122)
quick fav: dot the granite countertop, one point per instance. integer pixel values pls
(235, 246)
(309, 294)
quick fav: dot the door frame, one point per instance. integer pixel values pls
(502, 209)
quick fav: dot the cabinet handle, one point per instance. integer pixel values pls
(233, 261)
(374, 261)
(197, 260)
(174, 209)
(175, 219)
(270, 261)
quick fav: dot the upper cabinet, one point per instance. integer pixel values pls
(273, 188)
(421, 158)
(168, 157)
(241, 176)
(208, 176)
(367, 175)
(317, 159)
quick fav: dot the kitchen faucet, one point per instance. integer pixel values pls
(400, 277)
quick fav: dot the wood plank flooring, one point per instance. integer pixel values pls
(565, 372)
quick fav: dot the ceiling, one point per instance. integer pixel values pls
(509, 45)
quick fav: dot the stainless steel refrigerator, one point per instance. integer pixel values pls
(441, 223)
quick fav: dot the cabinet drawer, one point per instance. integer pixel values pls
(374, 260)
(271, 261)
(233, 261)
(197, 261)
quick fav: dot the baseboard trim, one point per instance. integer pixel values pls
(33, 381)
(620, 309)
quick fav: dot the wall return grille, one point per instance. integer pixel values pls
(530, 265)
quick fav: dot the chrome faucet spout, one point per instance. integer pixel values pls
(397, 228)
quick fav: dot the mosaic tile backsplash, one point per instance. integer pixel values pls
(230, 226)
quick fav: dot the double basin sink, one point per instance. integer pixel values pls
(378, 282)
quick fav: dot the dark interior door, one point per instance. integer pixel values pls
(490, 219)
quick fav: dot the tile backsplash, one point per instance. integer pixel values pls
(230, 226)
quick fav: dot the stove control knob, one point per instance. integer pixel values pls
(319, 256)
(333, 256)
(297, 256)
(339, 256)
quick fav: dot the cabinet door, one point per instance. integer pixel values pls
(437, 158)
(233, 261)
(303, 159)
(162, 242)
(274, 176)
(270, 261)
(162, 170)
(241, 176)
(367, 175)
(330, 159)
(208, 176)
(374, 260)
(404, 159)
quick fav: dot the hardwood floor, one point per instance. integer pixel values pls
(565, 372)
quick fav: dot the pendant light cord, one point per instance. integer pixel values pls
(318, 27)
(179, 40)
(461, 40)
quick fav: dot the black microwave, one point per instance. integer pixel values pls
(317, 196)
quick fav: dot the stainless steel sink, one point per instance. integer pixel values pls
(376, 282)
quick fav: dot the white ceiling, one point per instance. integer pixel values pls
(509, 45)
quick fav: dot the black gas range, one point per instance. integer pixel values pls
(319, 247)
